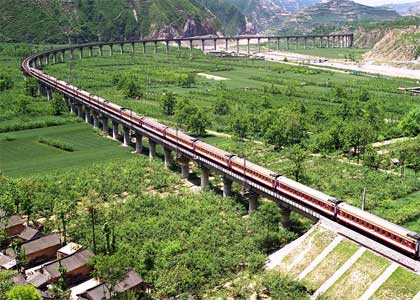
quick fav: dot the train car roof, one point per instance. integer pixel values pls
(375, 219)
(212, 148)
(180, 133)
(305, 189)
(251, 165)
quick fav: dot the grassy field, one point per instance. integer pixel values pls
(334, 53)
(23, 155)
(358, 278)
(402, 284)
(332, 262)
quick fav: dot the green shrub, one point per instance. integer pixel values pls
(5, 82)
(56, 144)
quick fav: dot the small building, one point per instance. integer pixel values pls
(28, 234)
(42, 249)
(68, 249)
(83, 287)
(75, 265)
(15, 225)
(132, 282)
(7, 262)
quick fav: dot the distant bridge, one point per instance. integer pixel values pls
(279, 42)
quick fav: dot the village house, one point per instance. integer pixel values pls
(42, 249)
(75, 266)
(132, 282)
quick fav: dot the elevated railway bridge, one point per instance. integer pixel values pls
(403, 245)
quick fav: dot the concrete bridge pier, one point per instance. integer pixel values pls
(105, 124)
(72, 107)
(139, 142)
(247, 46)
(122, 49)
(167, 46)
(297, 43)
(305, 43)
(63, 55)
(237, 46)
(179, 44)
(313, 43)
(81, 53)
(259, 45)
(144, 47)
(202, 45)
(167, 157)
(87, 115)
(114, 130)
(278, 44)
(328, 42)
(80, 111)
(54, 57)
(152, 149)
(90, 51)
(49, 93)
(287, 43)
(252, 201)
(191, 44)
(71, 54)
(95, 119)
(101, 51)
(285, 216)
(215, 44)
(227, 186)
(47, 59)
(133, 48)
(268, 45)
(155, 47)
(205, 174)
(185, 167)
(126, 132)
(111, 50)
(227, 45)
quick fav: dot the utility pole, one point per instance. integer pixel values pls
(364, 199)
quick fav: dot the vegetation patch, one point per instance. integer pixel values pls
(296, 261)
(330, 264)
(56, 144)
(356, 280)
(403, 284)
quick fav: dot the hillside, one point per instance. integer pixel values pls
(397, 44)
(335, 13)
(406, 9)
(265, 15)
(87, 20)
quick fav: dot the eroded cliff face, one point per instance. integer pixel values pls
(191, 27)
(396, 45)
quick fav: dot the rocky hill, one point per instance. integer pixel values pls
(397, 45)
(335, 13)
(83, 20)
(406, 9)
(266, 15)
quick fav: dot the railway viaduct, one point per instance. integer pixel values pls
(126, 131)
(120, 127)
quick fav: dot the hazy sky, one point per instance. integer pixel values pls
(381, 2)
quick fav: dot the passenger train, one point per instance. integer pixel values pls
(388, 233)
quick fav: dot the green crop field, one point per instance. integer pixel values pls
(256, 91)
(23, 155)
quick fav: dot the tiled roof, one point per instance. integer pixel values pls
(70, 263)
(41, 243)
(28, 233)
